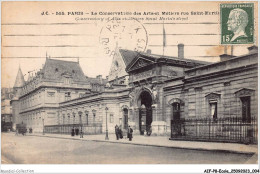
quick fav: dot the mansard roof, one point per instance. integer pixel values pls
(19, 82)
(55, 69)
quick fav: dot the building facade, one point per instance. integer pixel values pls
(36, 101)
(146, 91)
(6, 109)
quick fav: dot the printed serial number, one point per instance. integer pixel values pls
(231, 171)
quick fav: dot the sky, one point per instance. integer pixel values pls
(80, 31)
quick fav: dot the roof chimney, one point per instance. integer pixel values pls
(181, 51)
(99, 77)
(148, 51)
(252, 49)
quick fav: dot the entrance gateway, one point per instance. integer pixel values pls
(145, 112)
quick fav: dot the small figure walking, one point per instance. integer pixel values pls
(72, 132)
(120, 133)
(117, 132)
(130, 133)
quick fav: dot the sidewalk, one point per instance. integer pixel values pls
(162, 141)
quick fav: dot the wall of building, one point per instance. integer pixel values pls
(92, 110)
(222, 81)
(225, 82)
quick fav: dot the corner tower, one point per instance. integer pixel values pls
(19, 83)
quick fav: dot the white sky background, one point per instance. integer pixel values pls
(27, 35)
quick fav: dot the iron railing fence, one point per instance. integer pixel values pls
(231, 129)
(66, 129)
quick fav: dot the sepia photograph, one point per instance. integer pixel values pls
(160, 82)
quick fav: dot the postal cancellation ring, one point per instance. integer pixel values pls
(123, 34)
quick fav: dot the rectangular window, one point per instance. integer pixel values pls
(213, 110)
(246, 115)
(176, 111)
(67, 96)
(111, 118)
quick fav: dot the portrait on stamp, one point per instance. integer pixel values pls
(237, 23)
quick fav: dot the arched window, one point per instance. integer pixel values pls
(94, 116)
(86, 113)
(68, 118)
(80, 117)
(63, 121)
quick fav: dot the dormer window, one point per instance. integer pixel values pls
(67, 77)
(67, 80)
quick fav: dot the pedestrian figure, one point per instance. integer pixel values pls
(72, 132)
(117, 132)
(120, 132)
(130, 133)
(77, 131)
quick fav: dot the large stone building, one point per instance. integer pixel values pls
(146, 91)
(36, 101)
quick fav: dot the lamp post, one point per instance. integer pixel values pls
(81, 132)
(43, 126)
(106, 125)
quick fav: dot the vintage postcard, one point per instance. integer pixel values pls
(130, 83)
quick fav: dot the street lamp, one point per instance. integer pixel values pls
(106, 125)
(81, 132)
(43, 126)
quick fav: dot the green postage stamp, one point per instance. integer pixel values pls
(237, 23)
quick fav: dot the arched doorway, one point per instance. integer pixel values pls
(125, 118)
(145, 112)
(176, 120)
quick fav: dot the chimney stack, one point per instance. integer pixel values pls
(252, 49)
(181, 51)
(99, 77)
(148, 51)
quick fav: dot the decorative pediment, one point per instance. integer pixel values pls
(139, 63)
(244, 92)
(213, 96)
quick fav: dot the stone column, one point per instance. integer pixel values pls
(158, 125)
